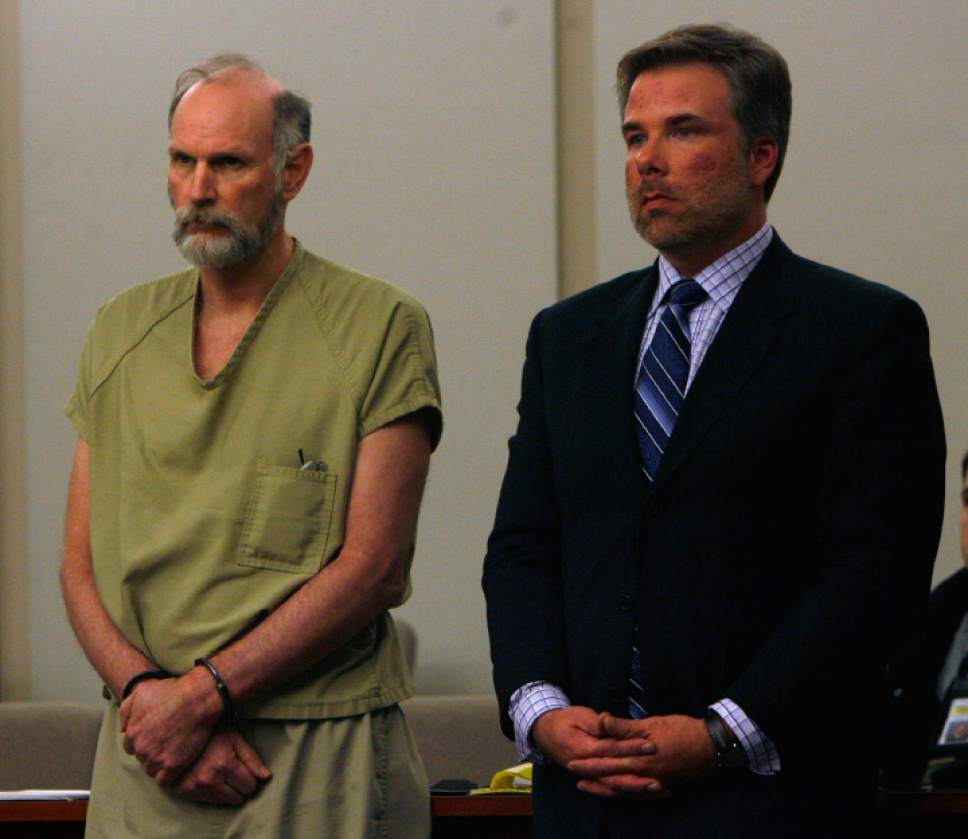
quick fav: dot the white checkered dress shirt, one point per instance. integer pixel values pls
(721, 281)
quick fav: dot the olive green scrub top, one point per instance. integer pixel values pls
(202, 521)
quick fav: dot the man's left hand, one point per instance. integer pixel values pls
(167, 723)
(229, 771)
(684, 752)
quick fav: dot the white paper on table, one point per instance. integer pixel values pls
(44, 794)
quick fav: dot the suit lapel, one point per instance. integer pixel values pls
(741, 345)
(610, 353)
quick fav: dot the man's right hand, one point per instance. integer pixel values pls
(228, 771)
(577, 732)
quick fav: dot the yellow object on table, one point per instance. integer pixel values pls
(514, 779)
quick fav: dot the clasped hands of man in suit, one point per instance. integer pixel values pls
(624, 757)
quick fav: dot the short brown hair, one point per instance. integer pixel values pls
(756, 72)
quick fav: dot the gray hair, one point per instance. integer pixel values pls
(291, 113)
(757, 74)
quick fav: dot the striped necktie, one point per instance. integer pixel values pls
(659, 392)
(661, 384)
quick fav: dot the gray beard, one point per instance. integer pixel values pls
(242, 242)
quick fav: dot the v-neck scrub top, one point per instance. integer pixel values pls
(202, 521)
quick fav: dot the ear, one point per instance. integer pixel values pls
(296, 170)
(762, 157)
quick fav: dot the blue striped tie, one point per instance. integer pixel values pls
(659, 392)
(661, 384)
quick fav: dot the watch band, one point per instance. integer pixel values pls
(730, 753)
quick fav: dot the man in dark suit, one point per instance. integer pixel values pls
(921, 676)
(723, 497)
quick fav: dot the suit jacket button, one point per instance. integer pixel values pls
(625, 603)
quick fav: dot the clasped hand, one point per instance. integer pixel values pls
(175, 735)
(228, 771)
(624, 757)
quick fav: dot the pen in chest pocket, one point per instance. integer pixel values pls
(310, 465)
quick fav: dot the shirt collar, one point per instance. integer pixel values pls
(721, 279)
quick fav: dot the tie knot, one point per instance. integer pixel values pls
(686, 293)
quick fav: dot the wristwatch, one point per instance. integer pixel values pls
(730, 753)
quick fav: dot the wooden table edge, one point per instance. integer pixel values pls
(441, 806)
(48, 810)
(480, 806)
(934, 802)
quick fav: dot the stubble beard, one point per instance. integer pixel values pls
(712, 213)
(240, 243)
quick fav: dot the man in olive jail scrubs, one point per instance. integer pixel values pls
(254, 435)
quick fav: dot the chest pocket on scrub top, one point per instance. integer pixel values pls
(287, 519)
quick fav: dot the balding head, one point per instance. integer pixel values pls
(291, 120)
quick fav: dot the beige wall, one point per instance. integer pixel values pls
(439, 135)
(14, 671)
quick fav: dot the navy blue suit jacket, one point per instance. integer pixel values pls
(778, 559)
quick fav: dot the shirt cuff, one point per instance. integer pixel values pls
(763, 756)
(527, 704)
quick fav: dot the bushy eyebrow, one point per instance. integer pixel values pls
(240, 153)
